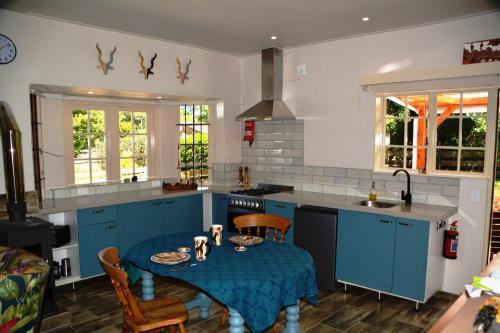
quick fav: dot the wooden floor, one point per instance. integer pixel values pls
(93, 307)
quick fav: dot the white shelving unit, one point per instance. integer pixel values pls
(69, 250)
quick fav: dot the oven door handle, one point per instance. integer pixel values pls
(231, 209)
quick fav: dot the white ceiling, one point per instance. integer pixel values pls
(244, 27)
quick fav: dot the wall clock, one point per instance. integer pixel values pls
(7, 50)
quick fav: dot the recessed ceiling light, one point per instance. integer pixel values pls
(366, 19)
(90, 92)
(159, 97)
(274, 37)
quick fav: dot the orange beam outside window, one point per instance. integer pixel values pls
(448, 111)
(421, 137)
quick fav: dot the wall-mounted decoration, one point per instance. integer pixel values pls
(7, 50)
(104, 66)
(481, 51)
(183, 76)
(147, 71)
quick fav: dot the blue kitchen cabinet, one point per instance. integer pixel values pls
(92, 239)
(365, 249)
(183, 214)
(139, 221)
(97, 229)
(219, 209)
(410, 260)
(285, 209)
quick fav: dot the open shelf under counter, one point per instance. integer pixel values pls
(67, 280)
(73, 243)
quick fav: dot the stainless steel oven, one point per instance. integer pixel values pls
(250, 201)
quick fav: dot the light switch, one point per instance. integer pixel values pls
(475, 195)
(301, 70)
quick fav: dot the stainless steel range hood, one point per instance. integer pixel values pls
(272, 106)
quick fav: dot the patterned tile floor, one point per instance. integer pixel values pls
(93, 307)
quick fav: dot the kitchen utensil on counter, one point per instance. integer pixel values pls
(245, 177)
(240, 176)
(66, 267)
(56, 270)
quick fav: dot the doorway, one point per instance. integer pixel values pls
(494, 246)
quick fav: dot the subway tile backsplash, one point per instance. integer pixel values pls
(277, 154)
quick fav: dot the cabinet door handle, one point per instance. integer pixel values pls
(169, 202)
(157, 203)
(98, 211)
(111, 227)
(409, 225)
(385, 221)
(280, 206)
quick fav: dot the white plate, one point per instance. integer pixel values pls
(170, 258)
(246, 240)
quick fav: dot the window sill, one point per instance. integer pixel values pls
(435, 174)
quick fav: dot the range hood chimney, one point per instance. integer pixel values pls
(272, 106)
(12, 164)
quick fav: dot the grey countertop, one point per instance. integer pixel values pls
(416, 211)
(51, 206)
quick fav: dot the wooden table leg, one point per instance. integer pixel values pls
(292, 319)
(148, 289)
(236, 321)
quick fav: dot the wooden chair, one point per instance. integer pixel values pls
(279, 225)
(142, 316)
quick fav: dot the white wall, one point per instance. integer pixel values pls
(339, 117)
(64, 54)
(472, 227)
(330, 99)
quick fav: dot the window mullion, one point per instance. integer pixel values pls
(89, 158)
(460, 124)
(432, 135)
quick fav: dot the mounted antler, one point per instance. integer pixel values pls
(147, 71)
(105, 66)
(183, 76)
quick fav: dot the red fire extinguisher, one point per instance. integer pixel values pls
(451, 242)
(249, 131)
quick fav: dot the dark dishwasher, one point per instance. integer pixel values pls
(315, 230)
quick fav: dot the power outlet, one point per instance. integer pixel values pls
(301, 70)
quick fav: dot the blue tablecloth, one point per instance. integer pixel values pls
(257, 283)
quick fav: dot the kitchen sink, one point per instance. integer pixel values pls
(376, 204)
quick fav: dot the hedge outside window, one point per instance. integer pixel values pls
(193, 142)
(89, 146)
(435, 131)
(133, 144)
(406, 130)
(461, 131)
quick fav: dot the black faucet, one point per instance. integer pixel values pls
(406, 197)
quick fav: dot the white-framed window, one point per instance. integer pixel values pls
(110, 142)
(134, 142)
(89, 146)
(193, 142)
(436, 131)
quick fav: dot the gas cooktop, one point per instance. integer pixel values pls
(263, 189)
